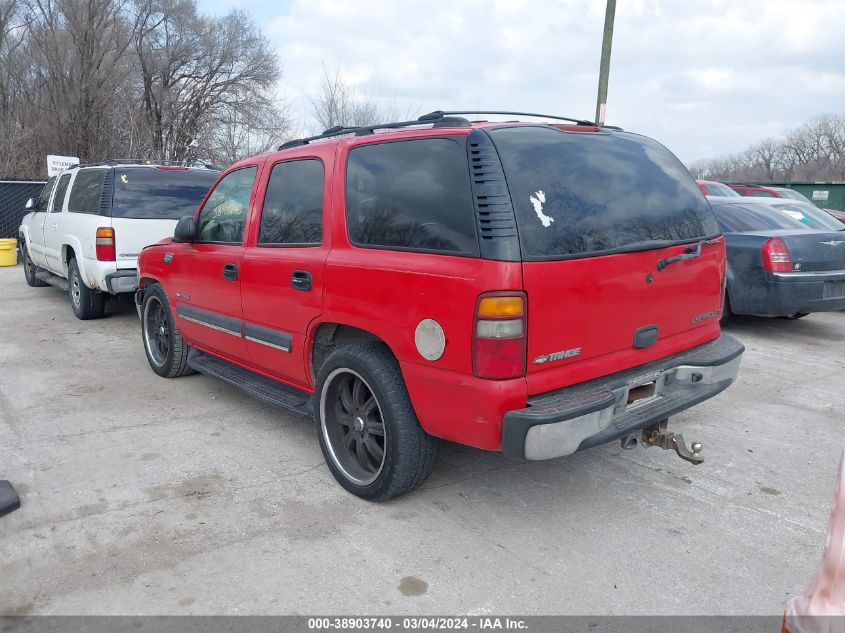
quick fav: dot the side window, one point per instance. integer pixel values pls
(224, 214)
(44, 196)
(761, 194)
(293, 205)
(61, 190)
(87, 191)
(411, 195)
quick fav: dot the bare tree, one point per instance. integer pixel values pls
(338, 104)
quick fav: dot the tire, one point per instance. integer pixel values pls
(86, 303)
(166, 350)
(361, 406)
(727, 313)
(29, 270)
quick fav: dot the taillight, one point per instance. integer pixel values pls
(776, 256)
(499, 335)
(105, 244)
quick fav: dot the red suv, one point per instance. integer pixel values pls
(756, 191)
(530, 288)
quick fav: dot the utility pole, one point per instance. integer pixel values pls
(604, 68)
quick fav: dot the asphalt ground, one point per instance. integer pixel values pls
(142, 495)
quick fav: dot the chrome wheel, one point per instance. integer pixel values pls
(352, 426)
(75, 289)
(156, 331)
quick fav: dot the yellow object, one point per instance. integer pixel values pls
(500, 307)
(8, 252)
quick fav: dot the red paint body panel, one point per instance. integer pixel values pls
(598, 303)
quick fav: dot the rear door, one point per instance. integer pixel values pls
(205, 278)
(602, 217)
(282, 271)
(54, 226)
(148, 201)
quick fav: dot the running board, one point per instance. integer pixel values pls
(257, 386)
(50, 278)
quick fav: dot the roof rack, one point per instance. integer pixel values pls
(442, 113)
(141, 161)
(439, 118)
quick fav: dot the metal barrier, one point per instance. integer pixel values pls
(13, 197)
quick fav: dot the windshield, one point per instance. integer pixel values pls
(808, 214)
(151, 193)
(737, 218)
(578, 194)
(718, 189)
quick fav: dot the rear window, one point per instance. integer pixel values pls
(718, 189)
(756, 193)
(411, 195)
(736, 218)
(579, 194)
(810, 215)
(87, 191)
(150, 193)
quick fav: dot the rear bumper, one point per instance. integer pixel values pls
(561, 422)
(124, 280)
(785, 294)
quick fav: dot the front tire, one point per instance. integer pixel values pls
(164, 346)
(29, 270)
(369, 434)
(86, 303)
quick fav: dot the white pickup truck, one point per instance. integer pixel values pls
(84, 232)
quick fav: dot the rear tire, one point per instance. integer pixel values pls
(86, 303)
(29, 270)
(166, 350)
(727, 313)
(369, 434)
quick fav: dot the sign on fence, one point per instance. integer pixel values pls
(821, 195)
(57, 164)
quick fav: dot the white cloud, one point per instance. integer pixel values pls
(705, 78)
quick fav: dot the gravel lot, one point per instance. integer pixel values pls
(144, 495)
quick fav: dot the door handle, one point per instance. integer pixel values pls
(300, 280)
(56, 227)
(230, 272)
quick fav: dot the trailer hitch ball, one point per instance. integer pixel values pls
(659, 435)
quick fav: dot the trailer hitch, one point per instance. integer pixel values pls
(658, 435)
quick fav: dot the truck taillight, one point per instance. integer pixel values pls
(776, 256)
(499, 336)
(105, 244)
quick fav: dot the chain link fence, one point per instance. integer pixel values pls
(13, 197)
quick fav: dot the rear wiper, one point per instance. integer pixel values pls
(690, 252)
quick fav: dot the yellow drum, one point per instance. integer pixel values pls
(8, 252)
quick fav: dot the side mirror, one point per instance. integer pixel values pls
(186, 230)
(30, 204)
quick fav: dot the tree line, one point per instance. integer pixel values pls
(815, 151)
(156, 79)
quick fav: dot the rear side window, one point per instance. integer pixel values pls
(756, 193)
(44, 196)
(579, 194)
(293, 204)
(87, 191)
(61, 190)
(411, 195)
(736, 218)
(152, 193)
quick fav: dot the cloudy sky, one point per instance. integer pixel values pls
(704, 77)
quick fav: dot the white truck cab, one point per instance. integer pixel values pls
(89, 224)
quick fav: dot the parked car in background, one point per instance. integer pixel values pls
(89, 224)
(755, 191)
(808, 214)
(713, 188)
(442, 278)
(779, 265)
(785, 192)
